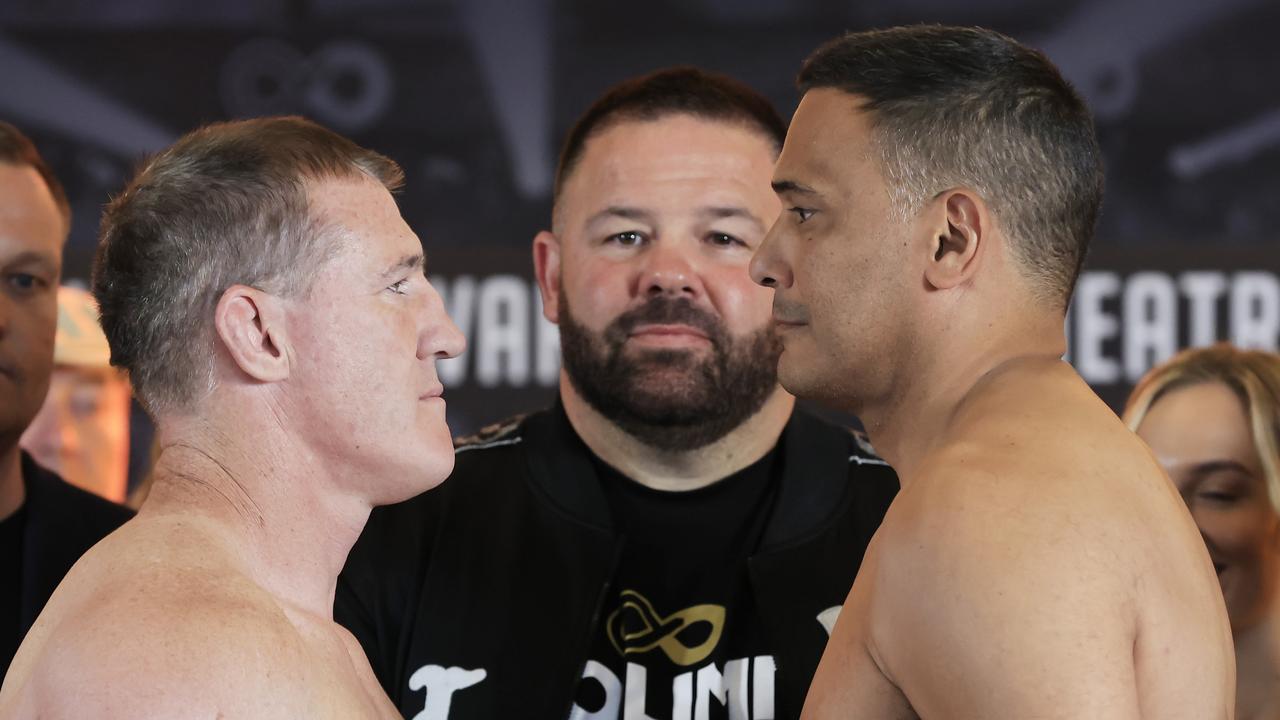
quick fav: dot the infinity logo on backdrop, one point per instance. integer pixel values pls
(346, 84)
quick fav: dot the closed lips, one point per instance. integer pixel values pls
(668, 330)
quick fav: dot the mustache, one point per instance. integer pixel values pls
(789, 312)
(665, 311)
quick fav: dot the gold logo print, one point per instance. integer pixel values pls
(662, 632)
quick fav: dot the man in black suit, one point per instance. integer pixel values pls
(45, 523)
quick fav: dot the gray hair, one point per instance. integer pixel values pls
(970, 107)
(225, 205)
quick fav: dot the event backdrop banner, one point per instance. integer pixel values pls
(473, 97)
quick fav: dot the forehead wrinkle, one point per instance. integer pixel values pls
(634, 166)
(621, 212)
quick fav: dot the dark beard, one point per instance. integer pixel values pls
(672, 400)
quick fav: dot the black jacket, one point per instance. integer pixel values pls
(62, 522)
(505, 567)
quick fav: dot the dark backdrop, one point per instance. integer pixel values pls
(473, 98)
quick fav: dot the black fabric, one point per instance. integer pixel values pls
(11, 530)
(681, 597)
(62, 522)
(484, 597)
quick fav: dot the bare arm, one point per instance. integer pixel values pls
(1000, 603)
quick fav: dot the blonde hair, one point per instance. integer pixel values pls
(1253, 375)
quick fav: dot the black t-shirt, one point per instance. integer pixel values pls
(680, 627)
(11, 531)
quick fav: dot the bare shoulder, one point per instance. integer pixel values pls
(1038, 546)
(1041, 482)
(977, 511)
(148, 630)
(1045, 441)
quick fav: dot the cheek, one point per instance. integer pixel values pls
(832, 290)
(745, 306)
(35, 332)
(352, 360)
(1243, 534)
(597, 291)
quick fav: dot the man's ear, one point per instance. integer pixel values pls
(251, 325)
(958, 239)
(546, 267)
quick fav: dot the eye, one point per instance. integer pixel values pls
(25, 282)
(398, 287)
(84, 404)
(629, 238)
(723, 240)
(1224, 498)
(802, 214)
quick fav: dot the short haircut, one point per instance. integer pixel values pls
(226, 204)
(17, 149)
(681, 90)
(956, 106)
(1252, 375)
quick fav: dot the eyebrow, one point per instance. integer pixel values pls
(719, 213)
(1213, 466)
(791, 186)
(408, 261)
(31, 257)
(639, 215)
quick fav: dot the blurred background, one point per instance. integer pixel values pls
(473, 98)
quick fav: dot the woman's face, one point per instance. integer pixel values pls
(1200, 434)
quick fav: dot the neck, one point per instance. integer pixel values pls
(1258, 670)
(276, 504)
(678, 470)
(916, 414)
(12, 489)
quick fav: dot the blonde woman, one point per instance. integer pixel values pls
(1212, 418)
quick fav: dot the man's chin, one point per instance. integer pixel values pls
(667, 410)
(668, 387)
(799, 378)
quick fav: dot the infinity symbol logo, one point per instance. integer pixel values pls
(635, 627)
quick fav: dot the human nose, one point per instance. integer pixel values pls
(768, 267)
(44, 437)
(440, 338)
(668, 270)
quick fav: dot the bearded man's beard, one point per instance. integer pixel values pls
(670, 399)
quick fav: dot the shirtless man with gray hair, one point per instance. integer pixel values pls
(270, 305)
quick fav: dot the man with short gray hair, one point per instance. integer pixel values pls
(257, 282)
